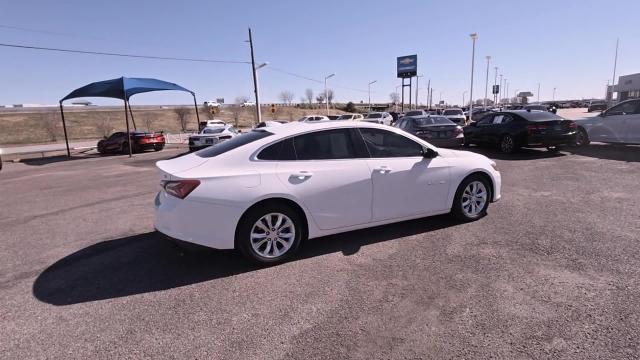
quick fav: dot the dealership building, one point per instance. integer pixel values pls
(627, 87)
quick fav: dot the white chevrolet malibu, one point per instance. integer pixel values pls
(267, 191)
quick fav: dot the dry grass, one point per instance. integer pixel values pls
(30, 126)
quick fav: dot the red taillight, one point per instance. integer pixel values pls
(180, 188)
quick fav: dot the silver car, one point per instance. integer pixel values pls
(618, 124)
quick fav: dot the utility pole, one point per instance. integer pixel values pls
(500, 91)
(430, 98)
(554, 95)
(369, 90)
(429, 93)
(326, 94)
(486, 83)
(255, 79)
(613, 80)
(473, 36)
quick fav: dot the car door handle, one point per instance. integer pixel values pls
(383, 169)
(301, 175)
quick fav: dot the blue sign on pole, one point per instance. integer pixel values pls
(407, 66)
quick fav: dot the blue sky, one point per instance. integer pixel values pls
(564, 44)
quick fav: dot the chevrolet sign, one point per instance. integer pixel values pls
(407, 66)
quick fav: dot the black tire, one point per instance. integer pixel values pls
(124, 148)
(582, 138)
(554, 149)
(466, 143)
(457, 209)
(246, 225)
(507, 144)
(158, 147)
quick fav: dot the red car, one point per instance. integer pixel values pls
(140, 141)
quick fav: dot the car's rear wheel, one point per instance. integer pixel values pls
(270, 234)
(472, 198)
(158, 147)
(507, 144)
(582, 138)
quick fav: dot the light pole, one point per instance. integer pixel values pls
(538, 93)
(440, 98)
(500, 91)
(506, 92)
(486, 84)
(495, 82)
(463, 93)
(515, 95)
(326, 95)
(395, 105)
(554, 95)
(613, 80)
(417, 77)
(369, 90)
(474, 37)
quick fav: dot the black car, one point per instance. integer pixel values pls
(511, 130)
(437, 130)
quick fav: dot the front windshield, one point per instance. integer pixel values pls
(432, 120)
(374, 116)
(453, 112)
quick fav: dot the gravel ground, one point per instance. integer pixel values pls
(552, 272)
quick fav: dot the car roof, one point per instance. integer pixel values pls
(294, 128)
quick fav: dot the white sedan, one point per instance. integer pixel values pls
(211, 135)
(379, 118)
(619, 124)
(265, 192)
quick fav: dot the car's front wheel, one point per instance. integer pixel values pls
(507, 144)
(270, 234)
(472, 198)
(582, 138)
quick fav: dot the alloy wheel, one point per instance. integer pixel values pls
(272, 235)
(474, 199)
(506, 145)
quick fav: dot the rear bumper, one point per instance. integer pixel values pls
(193, 148)
(148, 146)
(551, 140)
(208, 224)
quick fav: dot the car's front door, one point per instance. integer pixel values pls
(632, 124)
(330, 176)
(114, 142)
(405, 183)
(612, 126)
(483, 128)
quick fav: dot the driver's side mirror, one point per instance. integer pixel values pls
(429, 153)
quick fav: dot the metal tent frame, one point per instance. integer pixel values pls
(122, 88)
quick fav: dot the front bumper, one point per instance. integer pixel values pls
(203, 223)
(551, 140)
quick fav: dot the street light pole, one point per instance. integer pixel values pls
(515, 95)
(369, 90)
(615, 64)
(326, 96)
(473, 36)
(554, 95)
(500, 91)
(486, 83)
(463, 93)
(495, 82)
(538, 93)
(417, 77)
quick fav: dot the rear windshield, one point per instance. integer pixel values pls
(414, 113)
(374, 116)
(452, 112)
(344, 117)
(432, 120)
(539, 116)
(233, 143)
(536, 107)
(213, 131)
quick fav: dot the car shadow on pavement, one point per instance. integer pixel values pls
(56, 159)
(148, 262)
(628, 153)
(520, 154)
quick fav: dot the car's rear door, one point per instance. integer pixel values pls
(330, 176)
(632, 124)
(404, 182)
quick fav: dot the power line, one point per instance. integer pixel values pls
(312, 79)
(122, 55)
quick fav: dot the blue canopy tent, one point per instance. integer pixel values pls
(121, 88)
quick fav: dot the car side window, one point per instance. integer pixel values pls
(324, 145)
(116, 136)
(486, 120)
(623, 109)
(497, 119)
(386, 144)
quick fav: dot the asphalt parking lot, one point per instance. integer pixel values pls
(553, 271)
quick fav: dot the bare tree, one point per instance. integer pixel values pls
(241, 99)
(309, 94)
(104, 124)
(181, 113)
(330, 96)
(394, 97)
(320, 98)
(148, 120)
(237, 109)
(286, 96)
(50, 124)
